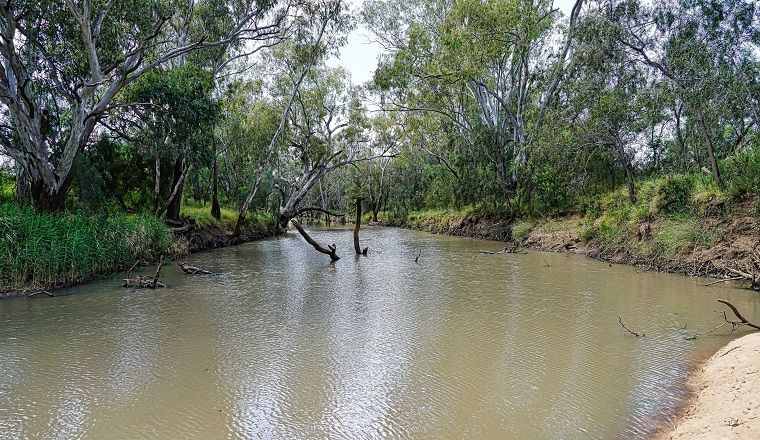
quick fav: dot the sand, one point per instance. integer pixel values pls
(726, 404)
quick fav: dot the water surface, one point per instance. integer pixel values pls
(285, 345)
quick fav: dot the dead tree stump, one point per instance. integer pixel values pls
(357, 225)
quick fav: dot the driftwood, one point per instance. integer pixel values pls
(749, 274)
(185, 228)
(192, 270)
(723, 281)
(144, 281)
(29, 295)
(357, 225)
(742, 319)
(514, 249)
(128, 279)
(546, 263)
(734, 324)
(638, 335)
(331, 249)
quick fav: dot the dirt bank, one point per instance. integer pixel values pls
(726, 389)
(196, 239)
(710, 245)
(732, 245)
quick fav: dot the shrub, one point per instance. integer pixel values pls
(586, 231)
(7, 187)
(674, 194)
(742, 173)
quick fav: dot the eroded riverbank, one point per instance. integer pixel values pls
(719, 245)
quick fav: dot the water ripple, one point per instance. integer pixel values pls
(286, 345)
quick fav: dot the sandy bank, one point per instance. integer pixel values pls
(727, 396)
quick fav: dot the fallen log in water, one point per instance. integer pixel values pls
(192, 270)
(749, 273)
(514, 249)
(734, 324)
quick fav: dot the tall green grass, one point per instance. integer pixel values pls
(201, 214)
(53, 250)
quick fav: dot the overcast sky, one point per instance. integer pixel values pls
(360, 54)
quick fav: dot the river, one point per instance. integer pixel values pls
(283, 344)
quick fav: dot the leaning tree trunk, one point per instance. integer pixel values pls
(247, 204)
(172, 211)
(216, 211)
(357, 225)
(629, 177)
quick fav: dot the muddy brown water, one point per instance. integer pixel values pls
(284, 345)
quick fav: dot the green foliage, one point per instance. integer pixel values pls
(742, 173)
(7, 187)
(51, 250)
(586, 230)
(668, 195)
(521, 229)
(680, 233)
(200, 213)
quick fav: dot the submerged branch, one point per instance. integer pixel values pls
(638, 335)
(742, 319)
(331, 249)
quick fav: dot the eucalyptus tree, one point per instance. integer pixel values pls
(248, 122)
(707, 52)
(324, 26)
(177, 112)
(64, 62)
(326, 130)
(490, 69)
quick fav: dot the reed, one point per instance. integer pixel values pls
(40, 250)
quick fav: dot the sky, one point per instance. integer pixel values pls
(359, 55)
